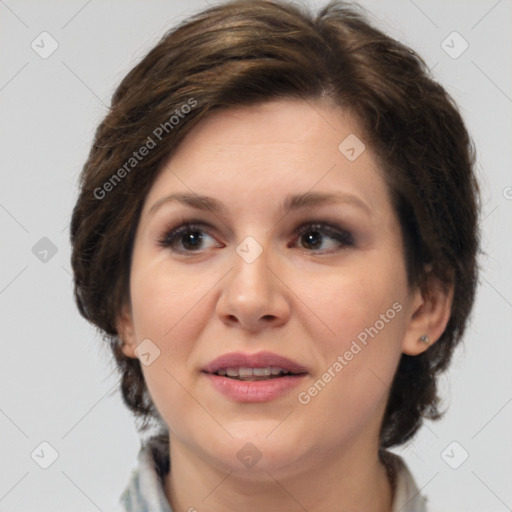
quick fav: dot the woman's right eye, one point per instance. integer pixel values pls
(186, 238)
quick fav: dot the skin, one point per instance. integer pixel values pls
(306, 300)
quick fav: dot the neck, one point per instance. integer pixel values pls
(351, 480)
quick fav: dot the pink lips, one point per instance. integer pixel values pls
(254, 391)
(259, 360)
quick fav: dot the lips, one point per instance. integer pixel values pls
(260, 360)
(260, 377)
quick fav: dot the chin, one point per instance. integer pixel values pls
(256, 455)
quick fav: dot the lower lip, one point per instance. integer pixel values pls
(256, 390)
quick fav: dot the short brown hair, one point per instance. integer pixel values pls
(246, 52)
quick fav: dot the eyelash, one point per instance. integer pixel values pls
(341, 236)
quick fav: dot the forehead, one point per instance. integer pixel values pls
(261, 152)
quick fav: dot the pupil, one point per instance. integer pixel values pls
(192, 239)
(313, 238)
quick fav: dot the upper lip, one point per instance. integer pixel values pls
(258, 360)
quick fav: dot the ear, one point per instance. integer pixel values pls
(126, 331)
(430, 313)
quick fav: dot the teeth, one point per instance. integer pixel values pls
(245, 372)
(261, 372)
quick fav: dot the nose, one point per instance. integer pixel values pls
(253, 297)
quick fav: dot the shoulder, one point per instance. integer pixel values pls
(145, 491)
(407, 497)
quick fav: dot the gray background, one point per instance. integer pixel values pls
(56, 379)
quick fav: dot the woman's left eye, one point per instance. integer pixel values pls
(313, 235)
(188, 238)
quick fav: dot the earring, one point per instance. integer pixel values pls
(424, 339)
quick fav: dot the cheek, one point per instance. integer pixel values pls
(366, 310)
(170, 311)
(351, 304)
(164, 298)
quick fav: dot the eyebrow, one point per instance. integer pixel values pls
(291, 202)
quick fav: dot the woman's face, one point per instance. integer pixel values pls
(274, 268)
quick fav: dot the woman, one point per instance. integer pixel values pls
(277, 232)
